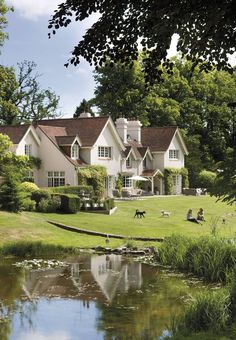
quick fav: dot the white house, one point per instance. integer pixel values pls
(124, 148)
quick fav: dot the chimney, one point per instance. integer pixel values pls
(121, 127)
(85, 115)
(134, 130)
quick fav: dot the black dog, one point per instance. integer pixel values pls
(139, 214)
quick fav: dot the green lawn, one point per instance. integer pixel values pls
(34, 227)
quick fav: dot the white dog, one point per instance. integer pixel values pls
(165, 213)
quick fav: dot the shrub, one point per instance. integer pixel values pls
(75, 190)
(11, 198)
(40, 194)
(48, 205)
(28, 187)
(108, 203)
(70, 203)
(206, 179)
(28, 204)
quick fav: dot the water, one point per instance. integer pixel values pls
(89, 297)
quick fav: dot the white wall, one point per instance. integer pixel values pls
(54, 160)
(158, 161)
(172, 163)
(107, 138)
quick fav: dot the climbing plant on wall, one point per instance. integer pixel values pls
(95, 176)
(168, 178)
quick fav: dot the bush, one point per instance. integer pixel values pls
(49, 205)
(40, 194)
(206, 179)
(28, 187)
(70, 203)
(108, 203)
(11, 198)
(28, 204)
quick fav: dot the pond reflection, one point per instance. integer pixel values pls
(89, 297)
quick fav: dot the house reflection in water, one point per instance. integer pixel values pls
(86, 277)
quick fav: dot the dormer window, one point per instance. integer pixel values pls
(75, 151)
(145, 163)
(28, 150)
(129, 162)
(173, 154)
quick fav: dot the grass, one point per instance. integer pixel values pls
(30, 226)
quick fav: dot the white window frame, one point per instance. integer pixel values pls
(28, 150)
(176, 180)
(56, 178)
(104, 152)
(129, 162)
(75, 151)
(30, 176)
(126, 182)
(173, 154)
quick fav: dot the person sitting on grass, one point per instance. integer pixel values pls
(200, 215)
(190, 217)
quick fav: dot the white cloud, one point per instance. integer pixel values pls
(33, 10)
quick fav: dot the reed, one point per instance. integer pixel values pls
(208, 311)
(205, 257)
(25, 249)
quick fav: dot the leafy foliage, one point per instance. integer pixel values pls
(85, 106)
(21, 97)
(206, 30)
(168, 178)
(95, 176)
(225, 183)
(206, 179)
(4, 9)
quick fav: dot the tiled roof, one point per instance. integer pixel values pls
(15, 133)
(65, 140)
(142, 150)
(150, 173)
(157, 138)
(88, 129)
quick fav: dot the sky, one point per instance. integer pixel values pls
(28, 40)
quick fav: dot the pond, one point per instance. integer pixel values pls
(89, 297)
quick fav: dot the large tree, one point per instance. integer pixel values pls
(3, 20)
(206, 30)
(85, 106)
(21, 97)
(195, 101)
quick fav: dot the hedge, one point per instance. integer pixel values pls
(75, 190)
(69, 203)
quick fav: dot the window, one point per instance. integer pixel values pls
(145, 163)
(75, 151)
(28, 149)
(56, 178)
(173, 154)
(126, 182)
(128, 162)
(176, 180)
(29, 177)
(104, 152)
